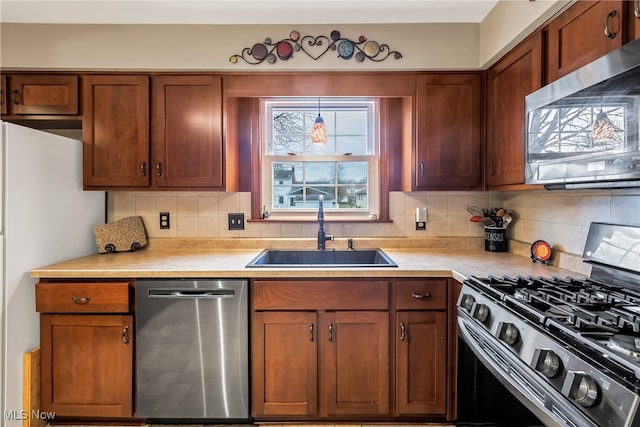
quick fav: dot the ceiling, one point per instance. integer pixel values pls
(243, 11)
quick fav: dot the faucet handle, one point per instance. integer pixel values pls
(349, 243)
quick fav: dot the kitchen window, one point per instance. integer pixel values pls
(344, 170)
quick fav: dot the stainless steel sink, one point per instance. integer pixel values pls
(322, 258)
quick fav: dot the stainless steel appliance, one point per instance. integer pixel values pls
(582, 129)
(192, 343)
(568, 348)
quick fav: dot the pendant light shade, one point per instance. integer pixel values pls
(319, 130)
(603, 129)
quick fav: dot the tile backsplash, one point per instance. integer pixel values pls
(560, 217)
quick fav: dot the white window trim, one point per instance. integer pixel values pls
(306, 214)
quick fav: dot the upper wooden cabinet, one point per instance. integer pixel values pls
(186, 122)
(115, 131)
(512, 78)
(583, 33)
(449, 132)
(30, 94)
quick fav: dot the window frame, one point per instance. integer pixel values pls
(373, 159)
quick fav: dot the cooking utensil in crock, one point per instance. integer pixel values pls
(506, 219)
(474, 210)
(476, 218)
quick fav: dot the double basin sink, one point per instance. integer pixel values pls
(292, 258)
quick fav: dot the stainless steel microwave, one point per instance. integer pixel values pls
(582, 130)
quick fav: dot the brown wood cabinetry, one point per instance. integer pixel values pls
(3, 94)
(634, 19)
(449, 132)
(86, 345)
(512, 78)
(34, 94)
(323, 349)
(187, 131)
(579, 35)
(421, 346)
(115, 131)
(336, 341)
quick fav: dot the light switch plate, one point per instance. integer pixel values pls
(236, 221)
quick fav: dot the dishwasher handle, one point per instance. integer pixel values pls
(191, 293)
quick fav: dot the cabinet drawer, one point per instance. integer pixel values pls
(341, 294)
(82, 297)
(421, 294)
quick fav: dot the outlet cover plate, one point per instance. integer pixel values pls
(236, 221)
(165, 221)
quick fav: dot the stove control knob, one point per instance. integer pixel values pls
(467, 301)
(580, 387)
(546, 362)
(508, 333)
(480, 312)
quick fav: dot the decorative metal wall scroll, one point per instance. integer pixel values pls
(315, 47)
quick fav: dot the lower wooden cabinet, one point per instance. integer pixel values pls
(355, 362)
(285, 363)
(324, 350)
(86, 348)
(87, 365)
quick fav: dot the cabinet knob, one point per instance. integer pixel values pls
(607, 32)
(16, 97)
(125, 335)
(81, 300)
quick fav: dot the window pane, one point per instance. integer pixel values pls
(356, 145)
(320, 173)
(353, 197)
(287, 172)
(352, 123)
(287, 197)
(351, 173)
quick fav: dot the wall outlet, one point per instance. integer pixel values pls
(236, 221)
(165, 221)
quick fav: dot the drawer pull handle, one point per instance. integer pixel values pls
(403, 331)
(81, 300)
(330, 331)
(311, 331)
(421, 296)
(636, 8)
(159, 169)
(607, 32)
(125, 335)
(143, 169)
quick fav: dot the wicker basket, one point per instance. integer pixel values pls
(124, 235)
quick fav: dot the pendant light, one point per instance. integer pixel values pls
(602, 129)
(319, 130)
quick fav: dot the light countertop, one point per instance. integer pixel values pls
(230, 263)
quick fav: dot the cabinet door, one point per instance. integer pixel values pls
(508, 82)
(355, 362)
(43, 94)
(284, 363)
(421, 352)
(115, 131)
(187, 131)
(449, 132)
(577, 36)
(87, 365)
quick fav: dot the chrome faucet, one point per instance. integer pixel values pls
(322, 236)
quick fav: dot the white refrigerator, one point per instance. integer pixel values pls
(45, 218)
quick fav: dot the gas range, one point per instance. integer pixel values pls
(568, 348)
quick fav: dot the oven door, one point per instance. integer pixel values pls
(550, 406)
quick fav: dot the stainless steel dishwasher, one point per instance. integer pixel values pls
(192, 345)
